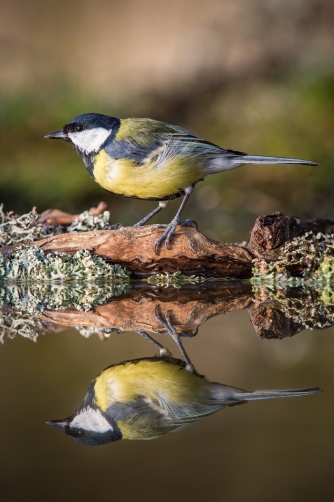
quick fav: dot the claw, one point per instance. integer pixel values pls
(190, 223)
(115, 226)
(171, 331)
(169, 231)
(167, 235)
(190, 334)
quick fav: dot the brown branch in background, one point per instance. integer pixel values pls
(57, 217)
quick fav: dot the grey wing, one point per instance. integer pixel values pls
(160, 142)
(162, 412)
(182, 415)
(182, 142)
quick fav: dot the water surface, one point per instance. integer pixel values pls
(264, 451)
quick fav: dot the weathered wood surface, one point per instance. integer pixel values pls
(191, 253)
(272, 231)
(133, 247)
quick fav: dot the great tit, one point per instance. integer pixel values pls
(148, 159)
(147, 398)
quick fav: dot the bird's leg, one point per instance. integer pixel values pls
(170, 330)
(162, 205)
(163, 351)
(175, 222)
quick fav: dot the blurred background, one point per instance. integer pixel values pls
(255, 76)
(250, 75)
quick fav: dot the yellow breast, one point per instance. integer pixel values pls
(147, 378)
(146, 181)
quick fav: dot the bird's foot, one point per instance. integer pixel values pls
(169, 231)
(163, 351)
(189, 223)
(114, 226)
(171, 331)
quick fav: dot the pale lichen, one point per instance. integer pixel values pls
(311, 308)
(34, 298)
(20, 303)
(13, 324)
(177, 279)
(86, 222)
(88, 331)
(15, 229)
(31, 263)
(306, 260)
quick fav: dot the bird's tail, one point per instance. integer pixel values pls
(260, 159)
(225, 393)
(227, 162)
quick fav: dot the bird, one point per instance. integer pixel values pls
(152, 396)
(152, 160)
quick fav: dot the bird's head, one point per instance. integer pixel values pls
(89, 426)
(87, 132)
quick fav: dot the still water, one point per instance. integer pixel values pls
(244, 337)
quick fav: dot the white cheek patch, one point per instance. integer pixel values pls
(91, 420)
(89, 140)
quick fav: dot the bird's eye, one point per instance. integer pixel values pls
(79, 128)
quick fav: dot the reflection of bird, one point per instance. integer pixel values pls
(146, 398)
(147, 159)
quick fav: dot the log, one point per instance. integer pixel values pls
(133, 248)
(192, 253)
(272, 231)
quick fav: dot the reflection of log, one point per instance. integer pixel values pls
(269, 321)
(274, 315)
(135, 311)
